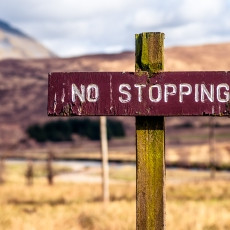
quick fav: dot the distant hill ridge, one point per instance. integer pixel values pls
(8, 28)
(15, 44)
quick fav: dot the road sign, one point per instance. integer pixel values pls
(150, 99)
(129, 94)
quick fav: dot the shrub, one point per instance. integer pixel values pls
(116, 128)
(62, 130)
(57, 131)
(93, 130)
(37, 132)
(186, 125)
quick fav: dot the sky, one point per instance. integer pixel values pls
(78, 27)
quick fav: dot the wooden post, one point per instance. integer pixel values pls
(212, 147)
(105, 165)
(30, 172)
(150, 137)
(1, 168)
(50, 173)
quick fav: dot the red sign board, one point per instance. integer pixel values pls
(128, 94)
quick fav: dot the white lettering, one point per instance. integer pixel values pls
(122, 91)
(204, 91)
(226, 86)
(196, 92)
(182, 92)
(159, 93)
(92, 93)
(77, 92)
(167, 93)
(139, 91)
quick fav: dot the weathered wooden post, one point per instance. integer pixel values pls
(30, 172)
(105, 165)
(212, 148)
(150, 137)
(50, 173)
(2, 168)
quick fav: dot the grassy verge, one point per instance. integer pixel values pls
(196, 203)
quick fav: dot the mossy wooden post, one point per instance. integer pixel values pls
(150, 136)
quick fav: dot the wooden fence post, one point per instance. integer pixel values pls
(2, 168)
(212, 147)
(105, 165)
(49, 166)
(150, 137)
(30, 172)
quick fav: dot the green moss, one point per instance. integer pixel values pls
(149, 52)
(150, 170)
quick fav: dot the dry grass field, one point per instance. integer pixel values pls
(194, 202)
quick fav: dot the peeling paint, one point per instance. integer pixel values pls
(63, 96)
(67, 110)
(55, 102)
(111, 91)
(80, 110)
(227, 106)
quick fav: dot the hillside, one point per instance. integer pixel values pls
(23, 89)
(16, 44)
(206, 57)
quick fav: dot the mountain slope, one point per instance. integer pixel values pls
(15, 44)
(206, 57)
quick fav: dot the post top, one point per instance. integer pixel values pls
(149, 52)
(149, 33)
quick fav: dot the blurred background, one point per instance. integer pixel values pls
(50, 168)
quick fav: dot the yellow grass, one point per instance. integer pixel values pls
(65, 206)
(193, 203)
